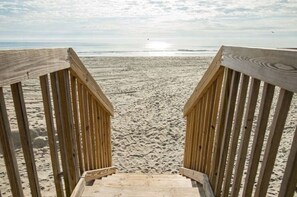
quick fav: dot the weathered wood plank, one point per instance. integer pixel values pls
(201, 130)
(235, 133)
(277, 67)
(276, 130)
(23, 125)
(83, 74)
(109, 147)
(44, 84)
(209, 76)
(288, 185)
(198, 125)
(99, 173)
(91, 136)
(60, 129)
(8, 150)
(99, 147)
(70, 141)
(199, 177)
(220, 127)
(80, 187)
(266, 101)
(195, 137)
(189, 133)
(224, 149)
(214, 116)
(19, 65)
(245, 138)
(96, 134)
(76, 121)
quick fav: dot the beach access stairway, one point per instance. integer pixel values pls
(220, 116)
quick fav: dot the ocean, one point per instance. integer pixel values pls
(88, 49)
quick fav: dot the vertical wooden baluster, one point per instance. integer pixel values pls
(189, 133)
(245, 138)
(69, 134)
(25, 137)
(87, 118)
(91, 131)
(195, 137)
(288, 185)
(109, 139)
(227, 131)
(266, 101)
(198, 131)
(60, 129)
(187, 141)
(105, 139)
(220, 127)
(214, 116)
(209, 106)
(95, 133)
(201, 136)
(81, 99)
(51, 134)
(276, 129)
(8, 150)
(235, 133)
(76, 122)
(100, 155)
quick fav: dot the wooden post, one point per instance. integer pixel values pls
(51, 134)
(25, 137)
(76, 122)
(8, 150)
(60, 129)
(69, 140)
(81, 97)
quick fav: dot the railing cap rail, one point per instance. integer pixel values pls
(275, 66)
(23, 64)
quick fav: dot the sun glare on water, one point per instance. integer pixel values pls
(157, 45)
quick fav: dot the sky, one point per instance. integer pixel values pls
(152, 23)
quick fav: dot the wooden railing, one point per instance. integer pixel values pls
(80, 115)
(223, 107)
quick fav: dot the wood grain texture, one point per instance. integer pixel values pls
(195, 137)
(83, 74)
(199, 177)
(25, 137)
(60, 129)
(224, 149)
(8, 150)
(220, 127)
(80, 187)
(235, 133)
(266, 101)
(74, 93)
(19, 65)
(288, 185)
(99, 173)
(245, 138)
(44, 84)
(277, 67)
(276, 130)
(91, 132)
(209, 76)
(67, 124)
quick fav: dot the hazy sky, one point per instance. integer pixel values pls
(182, 24)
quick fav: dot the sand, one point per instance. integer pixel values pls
(148, 127)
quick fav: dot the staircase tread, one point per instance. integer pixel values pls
(99, 190)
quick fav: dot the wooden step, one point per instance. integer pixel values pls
(145, 182)
(145, 176)
(141, 191)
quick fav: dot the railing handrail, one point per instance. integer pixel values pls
(20, 65)
(274, 66)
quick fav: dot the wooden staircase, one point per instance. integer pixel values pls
(123, 184)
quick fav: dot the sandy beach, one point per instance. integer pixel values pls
(148, 128)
